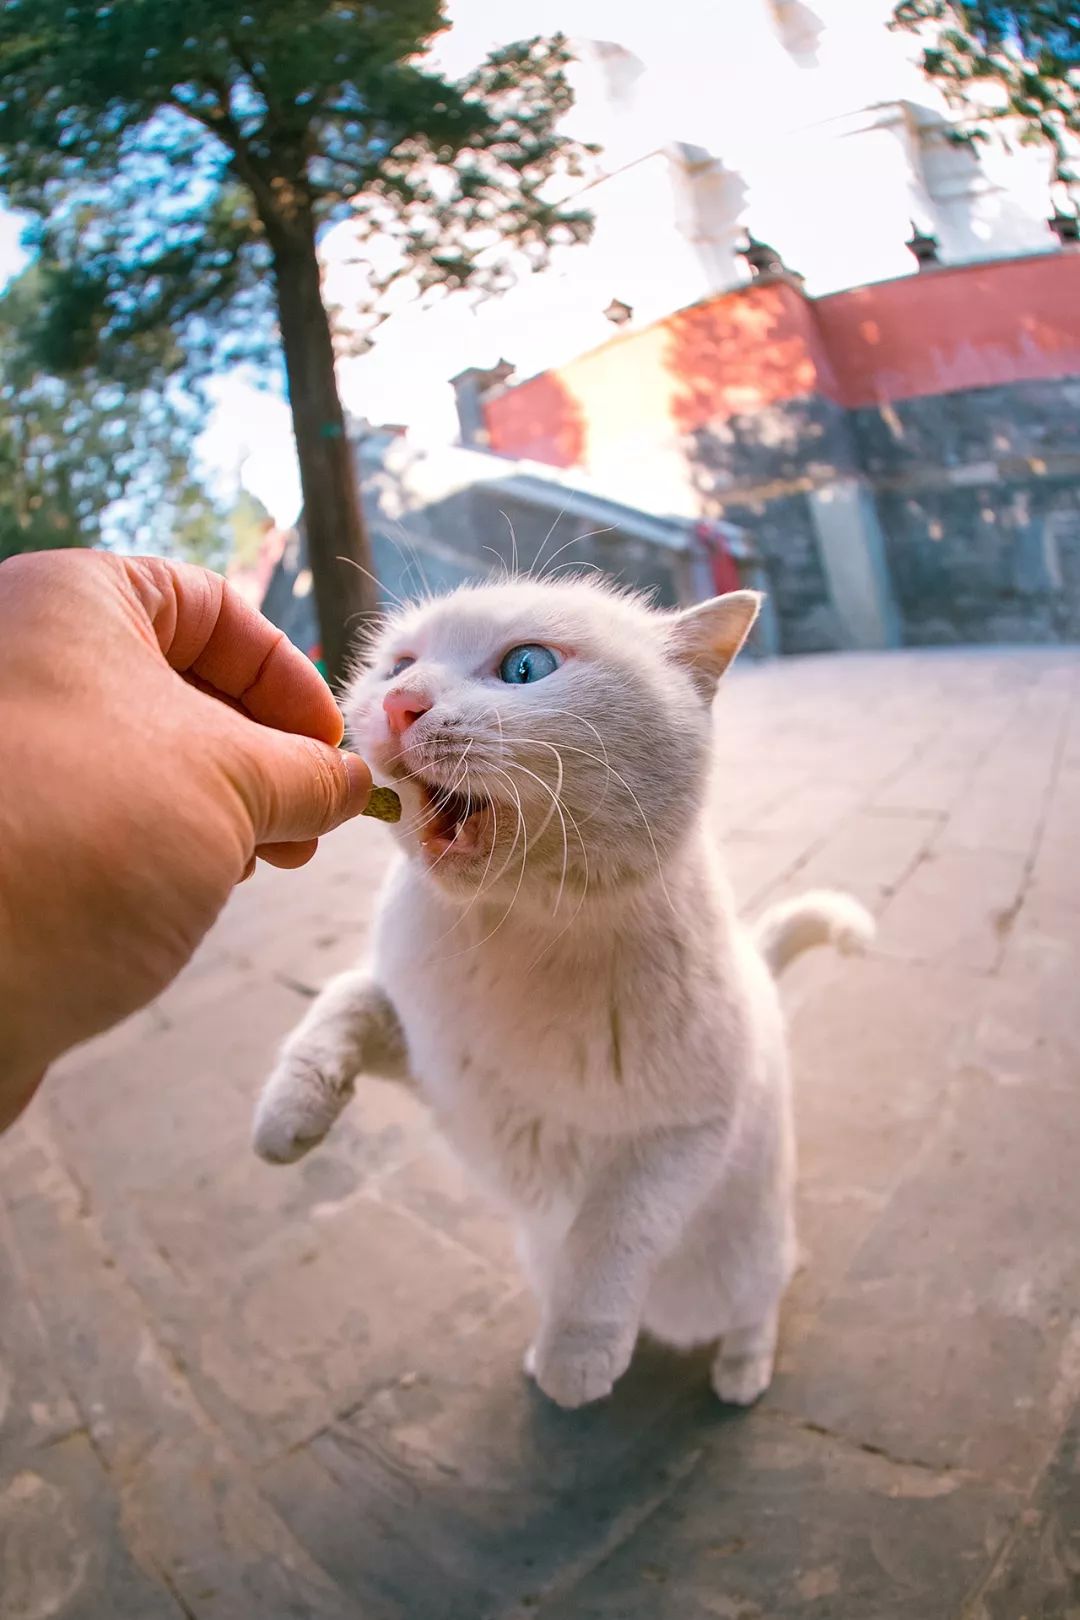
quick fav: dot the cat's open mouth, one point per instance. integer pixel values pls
(457, 824)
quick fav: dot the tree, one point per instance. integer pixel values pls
(1007, 66)
(182, 159)
(85, 461)
(249, 522)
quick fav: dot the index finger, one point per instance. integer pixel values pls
(205, 629)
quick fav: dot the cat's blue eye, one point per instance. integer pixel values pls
(525, 664)
(399, 666)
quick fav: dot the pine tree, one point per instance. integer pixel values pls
(182, 159)
(1009, 67)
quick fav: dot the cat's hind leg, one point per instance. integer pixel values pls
(742, 1368)
(351, 1028)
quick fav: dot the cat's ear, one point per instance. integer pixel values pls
(706, 638)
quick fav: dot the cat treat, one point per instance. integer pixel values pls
(384, 805)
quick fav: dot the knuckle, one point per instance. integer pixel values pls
(329, 778)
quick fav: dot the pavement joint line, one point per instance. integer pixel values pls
(1037, 838)
(791, 1420)
(622, 1528)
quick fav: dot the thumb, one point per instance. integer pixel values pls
(297, 788)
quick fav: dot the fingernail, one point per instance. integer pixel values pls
(384, 805)
(248, 869)
(359, 783)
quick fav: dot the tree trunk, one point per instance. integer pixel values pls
(337, 540)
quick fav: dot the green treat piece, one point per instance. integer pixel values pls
(384, 805)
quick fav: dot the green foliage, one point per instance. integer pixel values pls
(248, 522)
(173, 151)
(88, 462)
(180, 157)
(1009, 66)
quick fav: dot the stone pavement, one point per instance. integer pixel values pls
(235, 1393)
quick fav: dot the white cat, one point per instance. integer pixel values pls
(558, 967)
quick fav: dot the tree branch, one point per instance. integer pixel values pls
(259, 80)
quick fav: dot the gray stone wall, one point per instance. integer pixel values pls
(977, 495)
(997, 426)
(988, 562)
(784, 536)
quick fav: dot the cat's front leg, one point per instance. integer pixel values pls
(632, 1216)
(576, 1363)
(351, 1028)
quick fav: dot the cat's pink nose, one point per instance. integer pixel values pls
(404, 707)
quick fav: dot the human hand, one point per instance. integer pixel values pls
(155, 735)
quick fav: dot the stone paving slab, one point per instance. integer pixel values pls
(952, 1338)
(231, 1393)
(1038, 1570)
(62, 1544)
(955, 908)
(782, 1521)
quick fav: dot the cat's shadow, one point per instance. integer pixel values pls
(499, 1493)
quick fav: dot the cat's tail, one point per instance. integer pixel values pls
(823, 917)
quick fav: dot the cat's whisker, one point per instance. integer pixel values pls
(447, 794)
(415, 562)
(576, 541)
(444, 797)
(595, 568)
(571, 714)
(460, 918)
(483, 885)
(648, 830)
(578, 908)
(570, 748)
(515, 765)
(522, 830)
(513, 541)
(371, 632)
(521, 826)
(633, 796)
(378, 584)
(536, 560)
(437, 801)
(556, 806)
(500, 564)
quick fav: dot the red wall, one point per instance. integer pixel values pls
(973, 327)
(937, 332)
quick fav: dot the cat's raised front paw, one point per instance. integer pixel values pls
(581, 1364)
(296, 1109)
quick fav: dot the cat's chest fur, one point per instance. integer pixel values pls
(533, 1059)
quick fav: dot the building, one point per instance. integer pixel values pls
(905, 455)
(439, 517)
(806, 121)
(891, 420)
